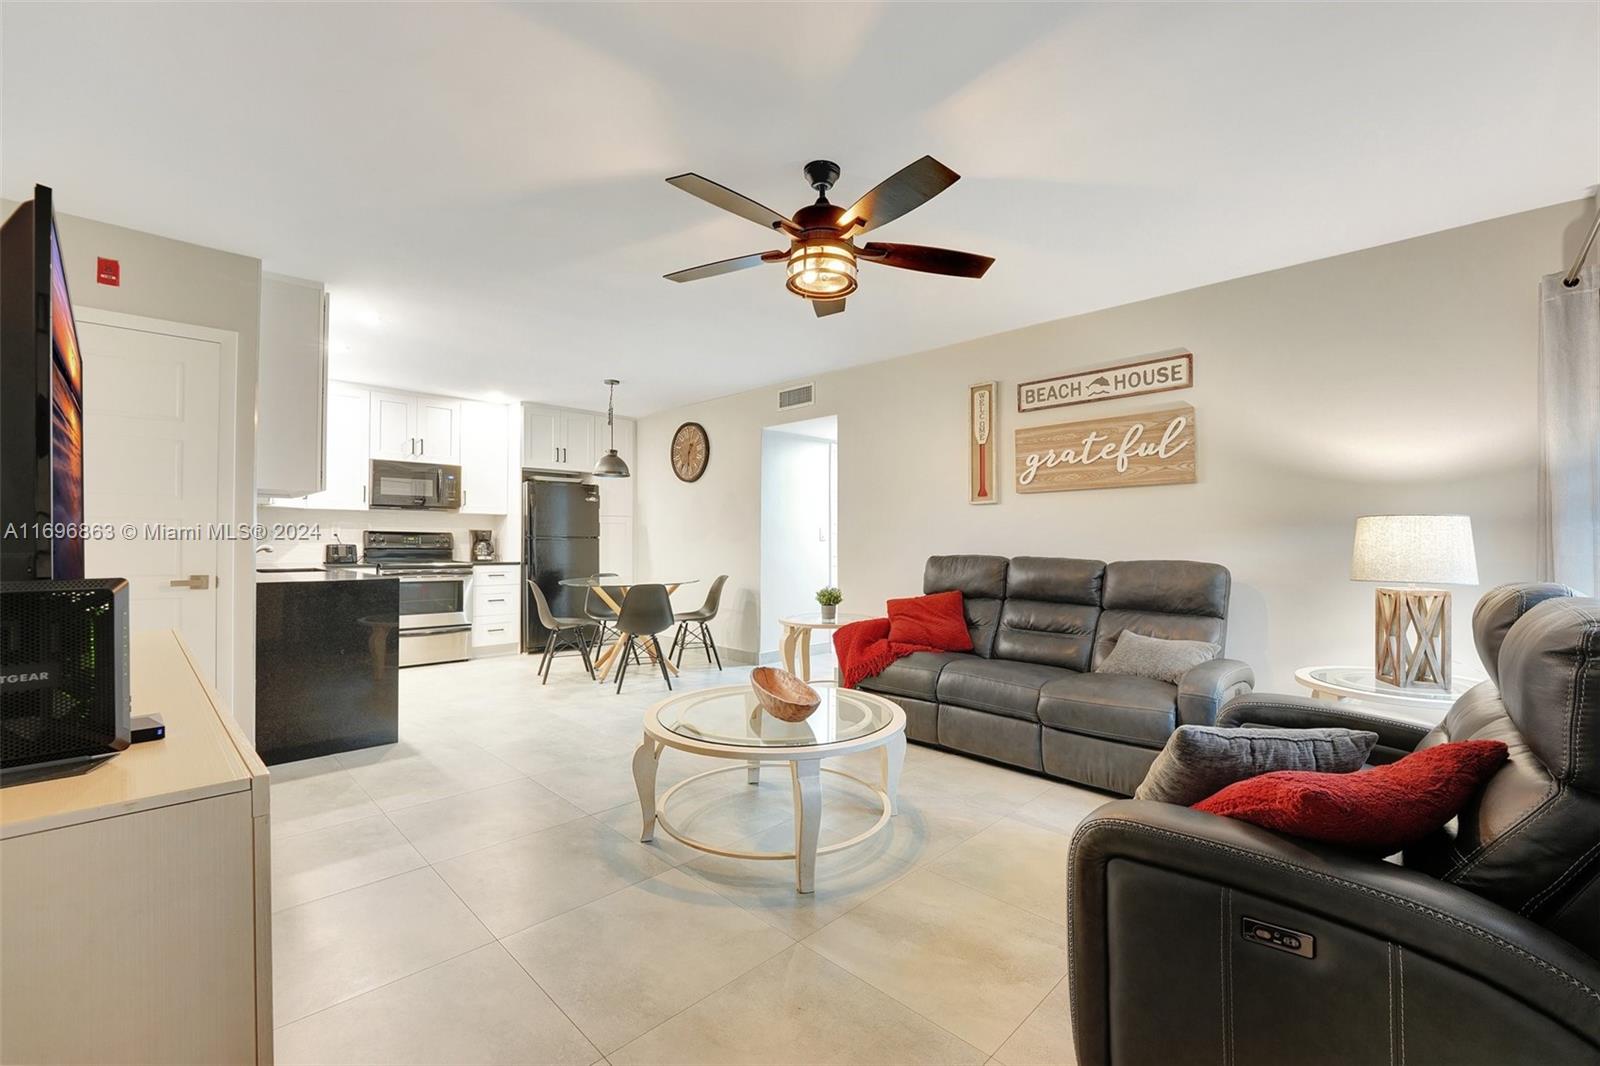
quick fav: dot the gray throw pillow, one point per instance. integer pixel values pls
(1200, 760)
(1164, 660)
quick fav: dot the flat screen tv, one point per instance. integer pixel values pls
(41, 402)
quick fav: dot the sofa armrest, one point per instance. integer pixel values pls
(1156, 892)
(1205, 688)
(1396, 737)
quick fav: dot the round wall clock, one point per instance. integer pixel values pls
(691, 451)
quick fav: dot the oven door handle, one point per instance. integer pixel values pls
(430, 631)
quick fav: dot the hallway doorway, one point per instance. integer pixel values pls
(799, 523)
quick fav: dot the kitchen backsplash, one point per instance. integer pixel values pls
(347, 526)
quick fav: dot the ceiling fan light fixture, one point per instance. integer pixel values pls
(822, 268)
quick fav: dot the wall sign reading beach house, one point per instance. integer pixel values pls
(1144, 448)
(1157, 373)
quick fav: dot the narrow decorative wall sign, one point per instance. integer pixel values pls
(983, 467)
(1157, 373)
(1144, 448)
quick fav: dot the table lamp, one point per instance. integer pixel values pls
(1413, 622)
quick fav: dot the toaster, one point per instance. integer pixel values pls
(339, 554)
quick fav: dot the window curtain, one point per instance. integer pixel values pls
(1569, 430)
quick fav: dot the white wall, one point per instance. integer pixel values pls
(182, 282)
(1399, 378)
(796, 549)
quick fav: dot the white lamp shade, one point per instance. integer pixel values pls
(1424, 549)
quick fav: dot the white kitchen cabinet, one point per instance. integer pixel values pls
(496, 607)
(347, 468)
(349, 407)
(616, 546)
(415, 428)
(485, 459)
(555, 438)
(291, 435)
(438, 422)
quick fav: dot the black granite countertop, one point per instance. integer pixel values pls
(343, 573)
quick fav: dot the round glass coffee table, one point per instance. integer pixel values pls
(728, 723)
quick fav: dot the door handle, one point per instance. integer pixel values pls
(193, 581)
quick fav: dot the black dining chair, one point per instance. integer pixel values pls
(700, 636)
(602, 618)
(646, 612)
(570, 631)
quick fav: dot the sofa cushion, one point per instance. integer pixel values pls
(1165, 660)
(915, 676)
(1383, 809)
(981, 580)
(997, 686)
(1200, 761)
(1133, 710)
(1050, 611)
(932, 621)
(1173, 600)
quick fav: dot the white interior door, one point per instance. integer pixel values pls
(151, 404)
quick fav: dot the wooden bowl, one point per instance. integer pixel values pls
(783, 695)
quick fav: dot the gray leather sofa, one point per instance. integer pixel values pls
(1481, 947)
(1027, 693)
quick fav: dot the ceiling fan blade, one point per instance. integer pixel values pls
(726, 266)
(725, 198)
(824, 308)
(928, 260)
(904, 190)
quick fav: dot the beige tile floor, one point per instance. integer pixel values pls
(477, 894)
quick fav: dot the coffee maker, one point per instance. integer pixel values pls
(482, 544)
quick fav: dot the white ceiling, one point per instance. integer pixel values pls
(481, 186)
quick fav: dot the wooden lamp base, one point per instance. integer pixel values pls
(1413, 638)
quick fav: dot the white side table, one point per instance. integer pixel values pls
(1359, 684)
(797, 637)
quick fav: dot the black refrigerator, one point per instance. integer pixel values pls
(560, 539)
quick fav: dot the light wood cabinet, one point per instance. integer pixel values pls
(136, 898)
(291, 433)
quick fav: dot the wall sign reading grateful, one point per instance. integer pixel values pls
(1157, 373)
(1144, 448)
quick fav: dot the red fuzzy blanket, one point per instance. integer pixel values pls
(864, 649)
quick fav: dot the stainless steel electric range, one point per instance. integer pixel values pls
(435, 593)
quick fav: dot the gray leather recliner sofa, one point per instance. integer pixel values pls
(1481, 947)
(1027, 694)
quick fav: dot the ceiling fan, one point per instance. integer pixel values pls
(822, 253)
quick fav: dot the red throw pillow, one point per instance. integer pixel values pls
(935, 621)
(1384, 808)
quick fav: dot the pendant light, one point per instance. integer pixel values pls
(611, 464)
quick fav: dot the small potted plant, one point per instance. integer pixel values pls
(829, 599)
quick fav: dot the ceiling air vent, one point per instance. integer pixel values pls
(798, 396)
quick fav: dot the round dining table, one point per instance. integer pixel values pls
(603, 586)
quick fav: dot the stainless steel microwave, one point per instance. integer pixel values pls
(415, 486)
